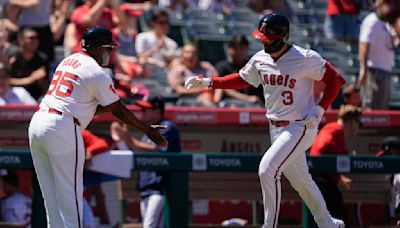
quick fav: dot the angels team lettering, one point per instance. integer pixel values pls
(272, 79)
(61, 84)
(280, 80)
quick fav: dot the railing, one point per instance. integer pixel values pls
(179, 164)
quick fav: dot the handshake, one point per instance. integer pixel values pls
(198, 81)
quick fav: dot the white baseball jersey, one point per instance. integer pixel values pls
(288, 83)
(79, 84)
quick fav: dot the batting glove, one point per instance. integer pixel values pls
(314, 117)
(198, 82)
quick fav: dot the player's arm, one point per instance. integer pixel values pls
(231, 81)
(90, 17)
(119, 132)
(100, 110)
(363, 56)
(24, 3)
(334, 81)
(122, 112)
(136, 144)
(36, 75)
(120, 16)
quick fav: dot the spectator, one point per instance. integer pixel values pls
(28, 65)
(396, 26)
(105, 13)
(58, 18)
(151, 185)
(70, 39)
(16, 208)
(341, 20)
(9, 16)
(12, 95)
(35, 14)
(351, 95)
(143, 5)
(388, 10)
(6, 47)
(332, 140)
(376, 54)
(127, 61)
(154, 47)
(391, 146)
(238, 51)
(189, 65)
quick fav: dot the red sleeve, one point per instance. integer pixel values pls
(76, 16)
(333, 82)
(231, 81)
(93, 144)
(330, 140)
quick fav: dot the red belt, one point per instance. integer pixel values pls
(55, 111)
(281, 123)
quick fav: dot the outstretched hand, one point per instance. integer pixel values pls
(156, 137)
(198, 81)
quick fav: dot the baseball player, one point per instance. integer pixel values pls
(16, 208)
(287, 73)
(151, 184)
(79, 89)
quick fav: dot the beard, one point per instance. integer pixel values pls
(274, 47)
(105, 59)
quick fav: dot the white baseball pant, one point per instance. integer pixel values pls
(58, 156)
(287, 155)
(152, 211)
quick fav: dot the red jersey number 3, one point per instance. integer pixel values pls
(61, 84)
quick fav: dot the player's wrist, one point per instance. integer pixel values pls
(211, 83)
(207, 82)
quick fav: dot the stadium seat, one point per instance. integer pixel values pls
(298, 31)
(211, 48)
(395, 92)
(189, 102)
(304, 18)
(243, 15)
(319, 17)
(240, 28)
(194, 29)
(331, 45)
(305, 42)
(350, 78)
(318, 5)
(157, 88)
(297, 5)
(194, 14)
(254, 45)
(176, 23)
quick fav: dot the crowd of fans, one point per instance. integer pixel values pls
(31, 31)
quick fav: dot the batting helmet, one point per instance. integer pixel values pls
(97, 36)
(273, 27)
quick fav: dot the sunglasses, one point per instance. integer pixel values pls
(31, 37)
